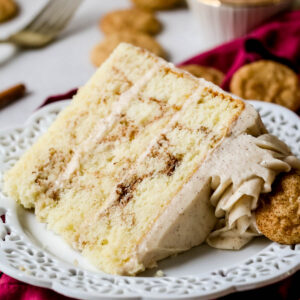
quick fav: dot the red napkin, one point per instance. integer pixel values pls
(12, 289)
(278, 40)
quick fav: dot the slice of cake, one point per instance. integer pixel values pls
(145, 162)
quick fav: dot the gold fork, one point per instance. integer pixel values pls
(45, 27)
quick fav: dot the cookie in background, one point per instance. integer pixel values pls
(208, 73)
(278, 216)
(134, 19)
(101, 51)
(268, 81)
(157, 4)
(8, 10)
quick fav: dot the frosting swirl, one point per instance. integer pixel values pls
(251, 165)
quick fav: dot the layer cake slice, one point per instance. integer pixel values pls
(145, 162)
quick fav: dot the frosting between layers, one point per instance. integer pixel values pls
(220, 198)
(104, 125)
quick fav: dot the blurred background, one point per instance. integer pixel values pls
(65, 64)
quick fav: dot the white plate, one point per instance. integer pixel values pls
(32, 254)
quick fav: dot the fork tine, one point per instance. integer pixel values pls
(44, 14)
(47, 24)
(71, 10)
(75, 4)
(58, 22)
(58, 17)
(55, 13)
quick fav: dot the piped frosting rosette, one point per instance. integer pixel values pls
(249, 167)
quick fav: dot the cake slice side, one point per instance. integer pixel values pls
(75, 185)
(218, 201)
(157, 177)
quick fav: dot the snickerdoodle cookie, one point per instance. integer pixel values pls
(130, 19)
(156, 4)
(267, 81)
(210, 74)
(278, 216)
(101, 51)
(8, 9)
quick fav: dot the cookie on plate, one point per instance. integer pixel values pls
(130, 19)
(156, 4)
(278, 216)
(101, 51)
(8, 9)
(210, 74)
(267, 81)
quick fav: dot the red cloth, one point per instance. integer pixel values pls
(61, 97)
(277, 40)
(12, 289)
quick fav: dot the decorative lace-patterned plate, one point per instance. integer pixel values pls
(32, 254)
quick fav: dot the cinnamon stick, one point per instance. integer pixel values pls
(12, 94)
